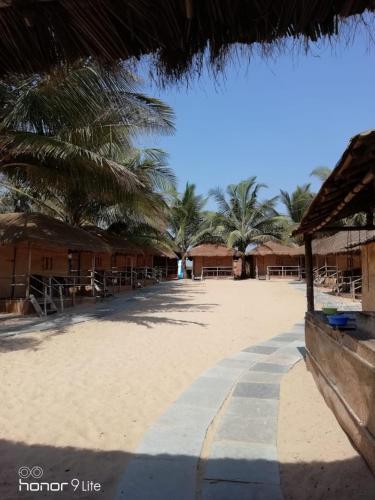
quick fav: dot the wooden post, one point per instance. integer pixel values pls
(93, 275)
(28, 270)
(309, 273)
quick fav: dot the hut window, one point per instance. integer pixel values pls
(47, 263)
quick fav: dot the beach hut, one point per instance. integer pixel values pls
(343, 360)
(214, 261)
(36, 250)
(275, 260)
(165, 262)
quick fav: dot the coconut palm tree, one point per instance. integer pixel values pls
(66, 146)
(78, 122)
(242, 218)
(297, 202)
(187, 218)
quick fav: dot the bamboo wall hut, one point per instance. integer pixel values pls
(273, 259)
(166, 261)
(343, 360)
(43, 33)
(210, 260)
(34, 245)
(124, 253)
(340, 250)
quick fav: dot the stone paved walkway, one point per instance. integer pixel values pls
(218, 440)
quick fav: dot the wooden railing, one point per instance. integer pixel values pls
(284, 271)
(216, 272)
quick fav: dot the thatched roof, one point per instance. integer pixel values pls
(342, 242)
(274, 248)
(211, 250)
(117, 243)
(39, 33)
(48, 232)
(349, 189)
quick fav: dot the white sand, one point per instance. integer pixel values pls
(97, 386)
(317, 460)
(77, 402)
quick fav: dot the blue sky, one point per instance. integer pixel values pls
(276, 119)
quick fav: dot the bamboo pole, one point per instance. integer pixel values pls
(309, 273)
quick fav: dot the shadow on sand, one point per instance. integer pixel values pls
(342, 479)
(146, 307)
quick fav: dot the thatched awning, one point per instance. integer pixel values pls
(275, 248)
(211, 250)
(36, 34)
(48, 232)
(349, 189)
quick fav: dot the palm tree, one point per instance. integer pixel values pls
(187, 218)
(297, 202)
(242, 218)
(76, 123)
(322, 173)
(66, 147)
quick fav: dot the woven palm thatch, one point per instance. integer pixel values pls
(43, 230)
(36, 34)
(275, 248)
(117, 243)
(211, 250)
(342, 242)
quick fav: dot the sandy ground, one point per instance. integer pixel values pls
(317, 460)
(77, 402)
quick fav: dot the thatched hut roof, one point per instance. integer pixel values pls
(274, 248)
(211, 250)
(37, 34)
(117, 243)
(348, 190)
(42, 230)
(342, 242)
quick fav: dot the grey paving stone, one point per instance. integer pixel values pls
(273, 343)
(203, 399)
(162, 441)
(284, 358)
(261, 349)
(223, 372)
(289, 337)
(281, 339)
(233, 363)
(248, 462)
(262, 377)
(269, 368)
(256, 390)
(158, 479)
(250, 357)
(240, 491)
(252, 408)
(251, 430)
(211, 384)
(187, 417)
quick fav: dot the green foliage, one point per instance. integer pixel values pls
(66, 146)
(243, 219)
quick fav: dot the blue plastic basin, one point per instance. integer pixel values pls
(338, 320)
